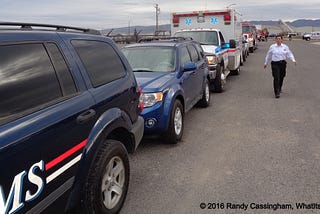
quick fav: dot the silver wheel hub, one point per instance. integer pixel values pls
(207, 91)
(113, 182)
(177, 121)
(223, 80)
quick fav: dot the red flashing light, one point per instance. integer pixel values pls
(175, 20)
(227, 17)
(141, 105)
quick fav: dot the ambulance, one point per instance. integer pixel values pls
(220, 35)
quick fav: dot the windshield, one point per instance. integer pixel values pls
(148, 59)
(203, 37)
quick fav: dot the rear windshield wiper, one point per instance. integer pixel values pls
(141, 70)
(208, 44)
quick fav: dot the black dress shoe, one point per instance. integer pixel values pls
(277, 96)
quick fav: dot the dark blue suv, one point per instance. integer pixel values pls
(173, 75)
(69, 115)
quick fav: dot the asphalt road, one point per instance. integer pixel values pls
(246, 148)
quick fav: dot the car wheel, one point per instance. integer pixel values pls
(241, 61)
(205, 100)
(108, 180)
(236, 72)
(219, 81)
(176, 124)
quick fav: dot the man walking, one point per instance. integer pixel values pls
(277, 54)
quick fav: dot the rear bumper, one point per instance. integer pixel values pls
(137, 131)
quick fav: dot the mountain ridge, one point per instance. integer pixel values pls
(166, 27)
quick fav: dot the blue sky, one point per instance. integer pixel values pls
(101, 14)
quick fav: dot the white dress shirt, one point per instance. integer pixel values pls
(279, 52)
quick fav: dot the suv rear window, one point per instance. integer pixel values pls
(109, 67)
(193, 53)
(27, 79)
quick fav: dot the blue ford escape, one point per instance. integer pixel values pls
(173, 75)
(69, 115)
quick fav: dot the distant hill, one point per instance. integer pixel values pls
(296, 23)
(166, 27)
(132, 29)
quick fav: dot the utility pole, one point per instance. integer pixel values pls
(129, 27)
(157, 14)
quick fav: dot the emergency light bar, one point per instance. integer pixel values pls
(176, 16)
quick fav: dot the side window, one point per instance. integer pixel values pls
(101, 61)
(184, 56)
(193, 53)
(63, 72)
(27, 79)
(200, 50)
(221, 37)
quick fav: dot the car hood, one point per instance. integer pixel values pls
(153, 81)
(209, 48)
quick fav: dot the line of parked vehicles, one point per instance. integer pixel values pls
(176, 73)
(86, 104)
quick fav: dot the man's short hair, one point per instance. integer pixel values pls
(279, 36)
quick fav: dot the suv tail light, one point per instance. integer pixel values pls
(141, 105)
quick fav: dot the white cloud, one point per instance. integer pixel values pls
(107, 14)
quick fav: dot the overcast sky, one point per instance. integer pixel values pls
(102, 14)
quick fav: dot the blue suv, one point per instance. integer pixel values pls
(173, 75)
(69, 115)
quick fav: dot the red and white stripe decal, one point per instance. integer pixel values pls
(233, 50)
(62, 157)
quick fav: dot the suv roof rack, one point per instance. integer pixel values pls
(165, 39)
(29, 26)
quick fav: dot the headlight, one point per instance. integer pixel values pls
(212, 59)
(149, 99)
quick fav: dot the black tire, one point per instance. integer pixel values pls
(251, 49)
(218, 86)
(176, 124)
(205, 100)
(103, 180)
(236, 72)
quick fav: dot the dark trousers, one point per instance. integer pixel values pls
(278, 73)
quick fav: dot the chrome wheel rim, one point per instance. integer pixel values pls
(207, 92)
(223, 80)
(113, 182)
(177, 121)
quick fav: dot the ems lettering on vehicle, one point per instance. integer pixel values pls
(17, 198)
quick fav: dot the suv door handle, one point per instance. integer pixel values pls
(86, 116)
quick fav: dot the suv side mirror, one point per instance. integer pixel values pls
(189, 66)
